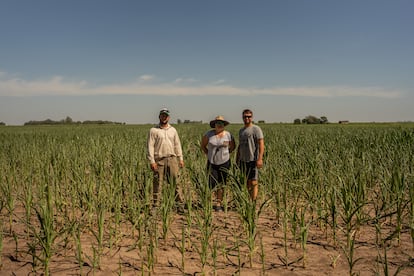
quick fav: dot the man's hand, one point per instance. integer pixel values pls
(154, 167)
(259, 163)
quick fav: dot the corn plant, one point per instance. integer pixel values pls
(332, 196)
(7, 189)
(151, 248)
(398, 190)
(1, 243)
(350, 207)
(183, 247)
(167, 206)
(286, 214)
(214, 255)
(411, 194)
(246, 209)
(304, 231)
(262, 255)
(79, 252)
(338, 179)
(204, 216)
(48, 231)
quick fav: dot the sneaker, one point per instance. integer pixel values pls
(180, 209)
(218, 209)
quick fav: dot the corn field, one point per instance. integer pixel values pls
(333, 199)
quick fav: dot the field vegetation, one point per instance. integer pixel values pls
(333, 200)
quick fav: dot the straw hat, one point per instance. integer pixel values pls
(218, 118)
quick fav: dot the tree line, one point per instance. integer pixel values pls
(310, 119)
(68, 121)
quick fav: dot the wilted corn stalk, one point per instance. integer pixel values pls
(350, 208)
(7, 189)
(399, 189)
(248, 211)
(166, 206)
(411, 191)
(203, 216)
(304, 231)
(310, 157)
(285, 224)
(79, 251)
(1, 243)
(333, 208)
(45, 214)
(152, 247)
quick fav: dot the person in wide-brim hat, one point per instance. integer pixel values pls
(218, 119)
(218, 144)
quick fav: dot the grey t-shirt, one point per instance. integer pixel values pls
(248, 143)
(218, 147)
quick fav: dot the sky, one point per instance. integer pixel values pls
(125, 60)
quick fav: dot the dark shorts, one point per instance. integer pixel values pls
(249, 169)
(217, 174)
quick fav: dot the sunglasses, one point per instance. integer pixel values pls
(220, 123)
(247, 116)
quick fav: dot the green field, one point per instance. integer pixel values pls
(61, 184)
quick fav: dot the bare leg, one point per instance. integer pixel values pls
(219, 196)
(253, 188)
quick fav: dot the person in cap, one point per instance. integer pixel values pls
(218, 144)
(165, 155)
(250, 152)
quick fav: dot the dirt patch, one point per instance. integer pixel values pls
(123, 251)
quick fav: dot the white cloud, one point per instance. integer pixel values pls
(54, 86)
(333, 91)
(184, 81)
(146, 77)
(57, 85)
(218, 82)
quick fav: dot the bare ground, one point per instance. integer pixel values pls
(273, 254)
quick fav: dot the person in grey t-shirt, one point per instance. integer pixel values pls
(250, 152)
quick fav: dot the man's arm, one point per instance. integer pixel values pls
(178, 150)
(150, 151)
(259, 162)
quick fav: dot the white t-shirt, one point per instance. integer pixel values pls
(218, 147)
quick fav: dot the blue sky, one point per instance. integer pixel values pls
(125, 60)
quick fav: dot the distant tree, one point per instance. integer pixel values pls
(68, 120)
(261, 122)
(179, 121)
(192, 122)
(2, 124)
(297, 121)
(311, 120)
(101, 122)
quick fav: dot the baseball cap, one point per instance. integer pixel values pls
(165, 111)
